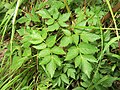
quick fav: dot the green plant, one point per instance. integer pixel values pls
(59, 47)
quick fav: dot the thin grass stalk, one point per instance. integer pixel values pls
(4, 28)
(108, 3)
(102, 47)
(13, 27)
(6, 17)
(68, 9)
(92, 27)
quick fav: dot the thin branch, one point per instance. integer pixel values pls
(114, 9)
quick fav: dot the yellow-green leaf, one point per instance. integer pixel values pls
(44, 13)
(57, 50)
(72, 53)
(51, 40)
(51, 67)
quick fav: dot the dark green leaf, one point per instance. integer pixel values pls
(96, 77)
(108, 82)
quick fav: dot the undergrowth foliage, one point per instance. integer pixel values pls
(56, 46)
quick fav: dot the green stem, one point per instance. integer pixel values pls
(108, 3)
(13, 27)
(93, 27)
(68, 9)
